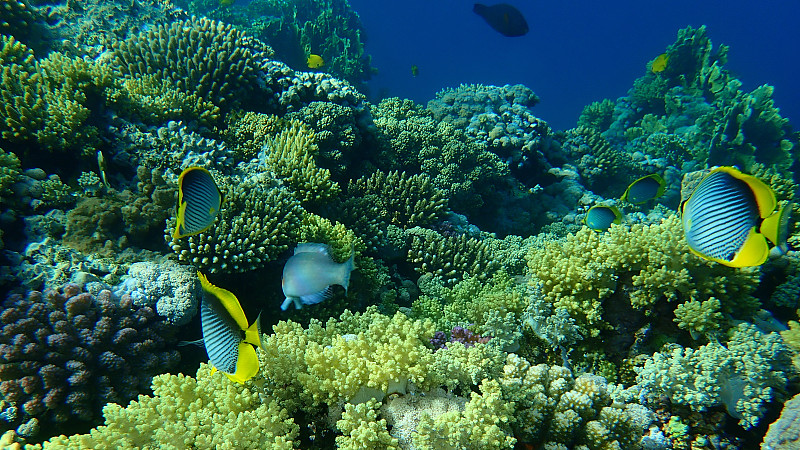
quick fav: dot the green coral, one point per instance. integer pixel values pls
(248, 132)
(337, 133)
(699, 318)
(148, 98)
(408, 200)
(597, 115)
(362, 430)
(649, 262)
(208, 411)
(290, 156)
(743, 374)
(23, 109)
(259, 220)
(214, 61)
(450, 257)
(603, 168)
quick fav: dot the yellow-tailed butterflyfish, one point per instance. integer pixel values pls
(729, 217)
(644, 189)
(315, 61)
(600, 217)
(199, 200)
(309, 274)
(660, 63)
(229, 341)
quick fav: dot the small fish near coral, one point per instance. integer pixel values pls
(229, 341)
(309, 274)
(644, 189)
(315, 61)
(660, 63)
(504, 18)
(414, 71)
(730, 216)
(199, 201)
(600, 217)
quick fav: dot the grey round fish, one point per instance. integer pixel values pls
(309, 274)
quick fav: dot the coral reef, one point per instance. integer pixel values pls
(784, 433)
(66, 353)
(208, 411)
(172, 290)
(450, 257)
(198, 56)
(744, 374)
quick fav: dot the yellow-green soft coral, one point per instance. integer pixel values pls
(332, 364)
(483, 424)
(208, 411)
(646, 262)
(362, 430)
(23, 108)
(698, 317)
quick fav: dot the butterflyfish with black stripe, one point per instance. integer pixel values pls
(731, 217)
(600, 217)
(199, 201)
(644, 189)
(229, 341)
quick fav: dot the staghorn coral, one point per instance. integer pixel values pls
(645, 263)
(450, 257)
(207, 411)
(259, 220)
(743, 374)
(25, 22)
(66, 353)
(408, 200)
(198, 56)
(152, 101)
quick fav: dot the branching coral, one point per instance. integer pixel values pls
(259, 220)
(409, 200)
(197, 56)
(450, 257)
(645, 262)
(208, 411)
(743, 374)
(21, 91)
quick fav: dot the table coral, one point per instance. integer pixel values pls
(66, 353)
(207, 411)
(744, 374)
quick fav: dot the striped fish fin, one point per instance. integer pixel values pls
(199, 201)
(719, 217)
(220, 335)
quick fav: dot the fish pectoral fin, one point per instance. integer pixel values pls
(311, 299)
(754, 252)
(246, 365)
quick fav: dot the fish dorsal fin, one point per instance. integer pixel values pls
(312, 247)
(765, 197)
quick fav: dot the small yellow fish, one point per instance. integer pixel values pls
(660, 63)
(414, 70)
(315, 61)
(226, 2)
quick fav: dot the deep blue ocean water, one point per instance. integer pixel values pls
(576, 51)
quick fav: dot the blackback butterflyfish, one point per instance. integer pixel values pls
(660, 63)
(199, 200)
(600, 217)
(309, 274)
(730, 217)
(315, 61)
(644, 189)
(504, 18)
(229, 341)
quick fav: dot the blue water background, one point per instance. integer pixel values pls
(577, 51)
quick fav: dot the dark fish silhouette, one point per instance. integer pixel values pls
(504, 18)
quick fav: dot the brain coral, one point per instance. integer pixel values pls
(64, 353)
